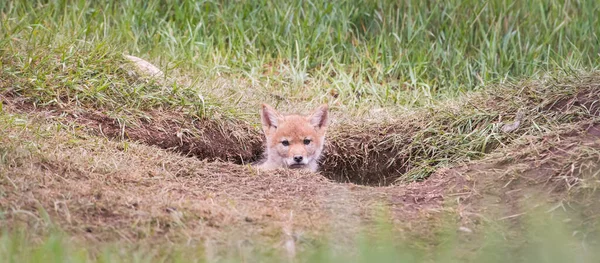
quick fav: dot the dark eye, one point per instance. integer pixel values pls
(306, 141)
(285, 143)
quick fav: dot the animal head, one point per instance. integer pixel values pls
(294, 141)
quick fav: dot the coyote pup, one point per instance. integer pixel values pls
(293, 141)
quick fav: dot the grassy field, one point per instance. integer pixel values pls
(101, 163)
(367, 52)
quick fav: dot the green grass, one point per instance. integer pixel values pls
(546, 236)
(367, 52)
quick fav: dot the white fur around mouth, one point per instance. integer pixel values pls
(297, 165)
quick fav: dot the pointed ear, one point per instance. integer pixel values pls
(319, 117)
(269, 117)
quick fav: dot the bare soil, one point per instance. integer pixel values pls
(100, 189)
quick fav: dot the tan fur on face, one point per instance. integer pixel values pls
(294, 130)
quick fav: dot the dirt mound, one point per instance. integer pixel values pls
(99, 189)
(109, 98)
(225, 140)
(96, 189)
(411, 147)
(560, 168)
(406, 147)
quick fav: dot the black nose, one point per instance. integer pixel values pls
(298, 158)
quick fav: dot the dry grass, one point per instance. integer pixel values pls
(57, 173)
(102, 190)
(409, 146)
(402, 146)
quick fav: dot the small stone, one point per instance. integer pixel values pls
(465, 229)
